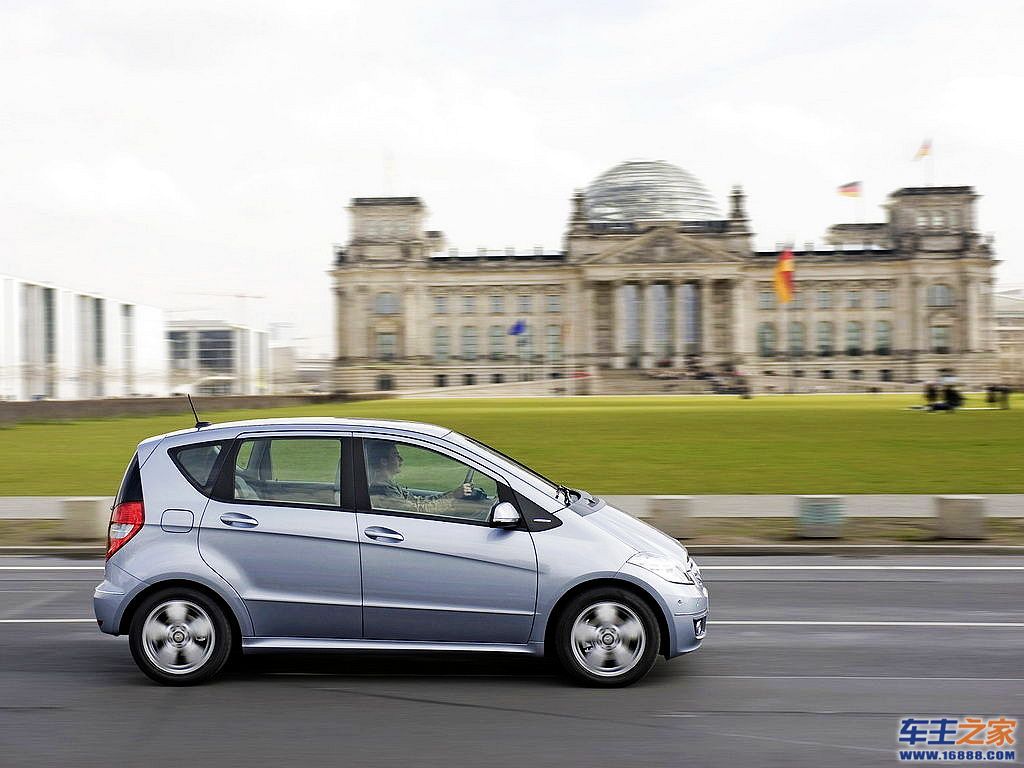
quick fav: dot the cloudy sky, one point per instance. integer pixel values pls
(180, 153)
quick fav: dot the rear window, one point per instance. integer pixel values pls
(199, 462)
(131, 484)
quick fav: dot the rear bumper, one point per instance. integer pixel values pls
(112, 596)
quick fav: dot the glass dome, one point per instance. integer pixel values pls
(648, 190)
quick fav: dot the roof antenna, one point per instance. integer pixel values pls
(199, 424)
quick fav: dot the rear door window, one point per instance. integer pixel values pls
(289, 470)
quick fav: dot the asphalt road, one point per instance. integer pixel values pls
(876, 645)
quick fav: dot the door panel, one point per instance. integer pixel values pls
(446, 581)
(297, 570)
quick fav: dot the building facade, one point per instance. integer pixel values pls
(651, 277)
(58, 343)
(218, 358)
(1009, 331)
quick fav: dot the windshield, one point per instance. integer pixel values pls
(542, 483)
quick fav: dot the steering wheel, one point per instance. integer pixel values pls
(477, 494)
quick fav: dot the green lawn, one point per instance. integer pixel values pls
(698, 445)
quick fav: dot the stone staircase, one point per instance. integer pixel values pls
(640, 382)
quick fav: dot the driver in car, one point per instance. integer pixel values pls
(384, 462)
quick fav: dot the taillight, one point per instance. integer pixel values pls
(125, 521)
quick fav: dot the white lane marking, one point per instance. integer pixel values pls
(940, 624)
(47, 621)
(870, 678)
(51, 567)
(862, 567)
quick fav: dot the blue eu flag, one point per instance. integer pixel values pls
(518, 328)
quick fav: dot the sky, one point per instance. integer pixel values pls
(200, 156)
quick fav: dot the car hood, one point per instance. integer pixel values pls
(636, 533)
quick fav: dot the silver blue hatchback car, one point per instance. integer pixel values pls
(351, 534)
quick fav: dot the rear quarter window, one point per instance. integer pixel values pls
(199, 463)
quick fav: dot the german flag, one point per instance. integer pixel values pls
(924, 150)
(850, 190)
(784, 288)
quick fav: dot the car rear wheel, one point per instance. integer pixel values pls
(607, 638)
(179, 636)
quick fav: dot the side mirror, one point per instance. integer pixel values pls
(504, 515)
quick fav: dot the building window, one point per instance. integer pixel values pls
(554, 342)
(940, 295)
(216, 350)
(386, 343)
(469, 379)
(824, 298)
(554, 303)
(469, 348)
(883, 337)
(525, 303)
(497, 342)
(385, 383)
(922, 221)
(766, 340)
(854, 338)
(440, 305)
(826, 339)
(885, 374)
(954, 219)
(798, 297)
(497, 378)
(766, 300)
(856, 374)
(179, 350)
(468, 304)
(940, 336)
(440, 380)
(797, 338)
(441, 345)
(938, 220)
(826, 374)
(497, 303)
(883, 299)
(524, 342)
(386, 304)
(853, 298)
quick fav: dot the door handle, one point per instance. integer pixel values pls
(238, 520)
(377, 533)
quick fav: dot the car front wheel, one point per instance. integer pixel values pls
(607, 638)
(179, 636)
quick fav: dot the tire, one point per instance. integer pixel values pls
(179, 636)
(607, 638)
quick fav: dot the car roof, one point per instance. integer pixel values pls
(313, 422)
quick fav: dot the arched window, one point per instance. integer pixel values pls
(797, 338)
(854, 338)
(386, 303)
(826, 339)
(469, 348)
(940, 295)
(883, 337)
(497, 342)
(441, 345)
(940, 338)
(386, 344)
(766, 340)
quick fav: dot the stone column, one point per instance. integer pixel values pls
(919, 305)
(970, 318)
(679, 321)
(619, 317)
(342, 343)
(411, 330)
(586, 339)
(867, 293)
(706, 331)
(647, 327)
(740, 314)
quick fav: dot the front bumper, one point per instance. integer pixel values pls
(685, 606)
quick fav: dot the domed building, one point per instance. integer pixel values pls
(656, 290)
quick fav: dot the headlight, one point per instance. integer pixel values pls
(669, 570)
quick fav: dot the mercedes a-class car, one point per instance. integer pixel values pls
(350, 534)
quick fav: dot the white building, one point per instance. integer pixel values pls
(218, 358)
(61, 343)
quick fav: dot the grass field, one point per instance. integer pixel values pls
(690, 445)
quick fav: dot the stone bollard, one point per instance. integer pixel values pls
(960, 517)
(85, 518)
(671, 514)
(820, 517)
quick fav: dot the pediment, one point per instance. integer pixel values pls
(663, 245)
